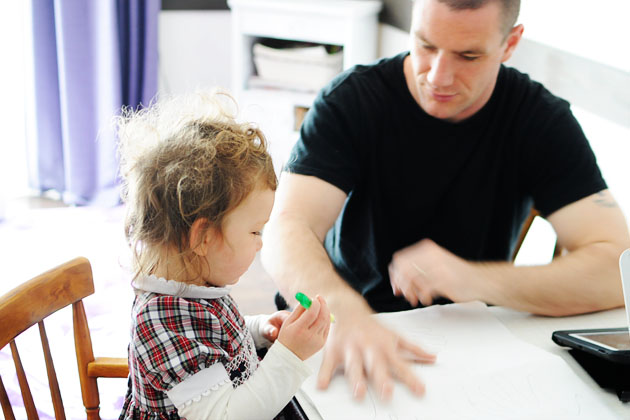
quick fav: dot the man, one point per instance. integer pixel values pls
(411, 180)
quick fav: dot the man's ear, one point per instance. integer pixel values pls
(201, 235)
(512, 41)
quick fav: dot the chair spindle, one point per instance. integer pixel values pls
(27, 397)
(6, 404)
(55, 393)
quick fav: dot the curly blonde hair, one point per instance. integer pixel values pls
(182, 159)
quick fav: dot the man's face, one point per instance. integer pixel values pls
(455, 57)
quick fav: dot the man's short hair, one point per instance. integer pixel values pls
(509, 10)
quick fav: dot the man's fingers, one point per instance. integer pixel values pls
(410, 295)
(393, 280)
(326, 369)
(423, 294)
(353, 368)
(378, 371)
(416, 353)
(405, 374)
(425, 298)
(401, 285)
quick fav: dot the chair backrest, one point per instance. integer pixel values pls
(32, 302)
(523, 233)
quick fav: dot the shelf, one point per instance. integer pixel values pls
(350, 24)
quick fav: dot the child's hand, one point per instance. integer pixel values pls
(272, 326)
(305, 331)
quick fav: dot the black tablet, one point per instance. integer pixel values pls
(608, 343)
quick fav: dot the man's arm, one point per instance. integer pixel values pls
(586, 278)
(305, 209)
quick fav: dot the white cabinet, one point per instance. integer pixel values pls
(349, 24)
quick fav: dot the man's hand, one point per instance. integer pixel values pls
(368, 350)
(592, 230)
(425, 270)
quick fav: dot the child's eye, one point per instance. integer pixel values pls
(257, 233)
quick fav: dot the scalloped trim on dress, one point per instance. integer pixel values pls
(152, 283)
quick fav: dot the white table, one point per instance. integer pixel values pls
(537, 330)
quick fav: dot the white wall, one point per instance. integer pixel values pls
(194, 50)
(597, 30)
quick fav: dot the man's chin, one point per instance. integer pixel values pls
(440, 112)
(437, 110)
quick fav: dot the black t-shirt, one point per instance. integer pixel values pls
(468, 186)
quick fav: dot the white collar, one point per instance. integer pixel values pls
(154, 284)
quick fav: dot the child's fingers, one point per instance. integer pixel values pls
(323, 319)
(315, 317)
(309, 317)
(324, 327)
(295, 315)
(271, 333)
(279, 317)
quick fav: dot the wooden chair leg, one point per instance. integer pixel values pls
(83, 345)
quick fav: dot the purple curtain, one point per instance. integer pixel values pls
(89, 59)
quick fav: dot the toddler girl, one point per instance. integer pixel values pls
(199, 188)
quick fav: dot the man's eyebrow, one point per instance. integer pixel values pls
(422, 38)
(471, 51)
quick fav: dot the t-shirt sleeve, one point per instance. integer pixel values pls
(327, 144)
(562, 166)
(174, 339)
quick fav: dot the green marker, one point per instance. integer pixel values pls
(305, 301)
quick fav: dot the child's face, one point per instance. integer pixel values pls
(231, 253)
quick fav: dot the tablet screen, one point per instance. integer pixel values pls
(614, 340)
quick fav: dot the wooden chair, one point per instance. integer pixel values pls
(557, 250)
(32, 302)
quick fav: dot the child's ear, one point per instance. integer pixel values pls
(201, 235)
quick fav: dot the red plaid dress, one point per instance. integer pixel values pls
(173, 338)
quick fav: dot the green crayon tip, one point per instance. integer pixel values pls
(303, 299)
(306, 302)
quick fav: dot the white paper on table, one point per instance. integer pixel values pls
(482, 371)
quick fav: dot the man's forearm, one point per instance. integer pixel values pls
(297, 261)
(585, 280)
